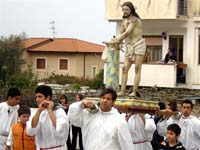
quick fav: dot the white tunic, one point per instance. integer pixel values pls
(190, 131)
(8, 117)
(141, 133)
(101, 130)
(46, 135)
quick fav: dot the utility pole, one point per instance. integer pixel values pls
(53, 28)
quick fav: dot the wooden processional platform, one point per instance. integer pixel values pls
(127, 104)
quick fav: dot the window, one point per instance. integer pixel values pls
(94, 70)
(182, 7)
(155, 53)
(63, 64)
(40, 63)
(154, 48)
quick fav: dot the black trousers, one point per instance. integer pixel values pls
(75, 132)
(69, 144)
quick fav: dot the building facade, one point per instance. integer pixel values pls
(64, 56)
(167, 24)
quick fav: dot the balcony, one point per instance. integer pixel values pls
(149, 9)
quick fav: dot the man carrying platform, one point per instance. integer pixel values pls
(105, 129)
(141, 127)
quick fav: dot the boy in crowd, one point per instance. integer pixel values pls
(65, 104)
(156, 137)
(190, 125)
(50, 125)
(76, 131)
(8, 114)
(172, 143)
(18, 139)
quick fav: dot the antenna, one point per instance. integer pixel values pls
(53, 28)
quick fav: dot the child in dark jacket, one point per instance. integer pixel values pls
(172, 143)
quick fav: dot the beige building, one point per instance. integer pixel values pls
(167, 24)
(64, 56)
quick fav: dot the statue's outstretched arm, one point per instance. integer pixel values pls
(126, 32)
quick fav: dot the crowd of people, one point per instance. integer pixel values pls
(104, 129)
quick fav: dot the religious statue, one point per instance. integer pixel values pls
(135, 46)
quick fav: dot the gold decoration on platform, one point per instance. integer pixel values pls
(130, 104)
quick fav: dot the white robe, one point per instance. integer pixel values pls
(46, 135)
(101, 130)
(8, 117)
(190, 131)
(141, 133)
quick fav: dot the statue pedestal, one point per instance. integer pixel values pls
(112, 68)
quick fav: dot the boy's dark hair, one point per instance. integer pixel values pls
(187, 102)
(64, 97)
(23, 109)
(109, 91)
(162, 105)
(173, 105)
(174, 128)
(45, 90)
(80, 96)
(12, 92)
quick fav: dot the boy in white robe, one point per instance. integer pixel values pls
(190, 126)
(8, 114)
(49, 124)
(105, 129)
(141, 128)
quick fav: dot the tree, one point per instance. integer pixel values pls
(11, 49)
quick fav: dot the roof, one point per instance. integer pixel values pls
(61, 45)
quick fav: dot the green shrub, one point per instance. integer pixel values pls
(22, 80)
(76, 82)
(75, 87)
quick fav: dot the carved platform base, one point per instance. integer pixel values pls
(132, 104)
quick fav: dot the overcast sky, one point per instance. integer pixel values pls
(82, 19)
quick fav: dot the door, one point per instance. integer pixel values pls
(176, 45)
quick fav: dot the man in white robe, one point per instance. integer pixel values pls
(103, 130)
(190, 126)
(8, 114)
(141, 128)
(49, 124)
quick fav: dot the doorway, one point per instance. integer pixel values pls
(176, 45)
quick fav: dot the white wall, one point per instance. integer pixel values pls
(153, 74)
(160, 75)
(196, 67)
